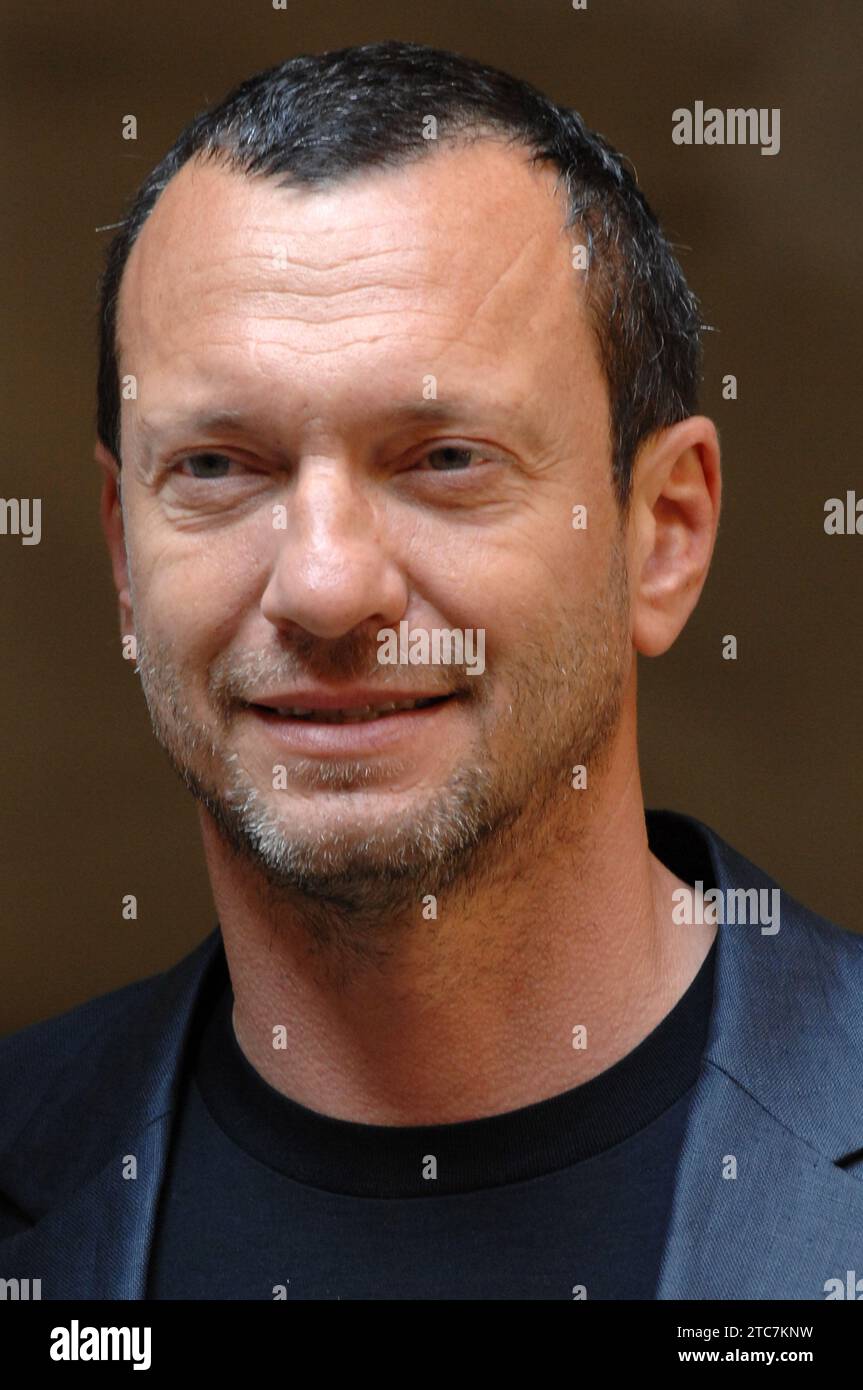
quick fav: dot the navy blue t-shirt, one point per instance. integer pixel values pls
(567, 1198)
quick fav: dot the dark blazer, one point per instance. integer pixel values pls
(780, 1090)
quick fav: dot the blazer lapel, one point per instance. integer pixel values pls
(789, 1221)
(96, 1243)
(761, 1208)
(73, 1162)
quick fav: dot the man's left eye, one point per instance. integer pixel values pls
(450, 458)
(206, 466)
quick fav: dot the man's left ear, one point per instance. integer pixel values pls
(673, 520)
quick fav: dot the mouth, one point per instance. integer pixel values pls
(358, 714)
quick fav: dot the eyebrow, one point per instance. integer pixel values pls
(200, 421)
(436, 411)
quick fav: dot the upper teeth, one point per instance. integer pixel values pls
(360, 712)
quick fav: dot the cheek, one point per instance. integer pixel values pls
(194, 591)
(508, 577)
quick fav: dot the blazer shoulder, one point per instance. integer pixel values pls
(38, 1060)
(32, 1058)
(847, 943)
(838, 952)
(733, 870)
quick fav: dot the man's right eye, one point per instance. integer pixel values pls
(205, 466)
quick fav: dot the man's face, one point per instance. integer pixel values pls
(357, 406)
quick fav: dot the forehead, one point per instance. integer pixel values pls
(460, 252)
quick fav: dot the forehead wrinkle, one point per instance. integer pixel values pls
(430, 341)
(433, 256)
(317, 264)
(279, 305)
(264, 259)
(326, 310)
(425, 266)
(421, 261)
(313, 304)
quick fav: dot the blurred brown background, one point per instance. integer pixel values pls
(765, 749)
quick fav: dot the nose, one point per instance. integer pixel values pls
(333, 565)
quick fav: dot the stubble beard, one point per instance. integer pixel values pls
(497, 808)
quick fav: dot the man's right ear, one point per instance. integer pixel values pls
(111, 517)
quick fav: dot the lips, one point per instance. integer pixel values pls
(353, 714)
(349, 713)
(350, 730)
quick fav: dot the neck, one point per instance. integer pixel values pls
(470, 1014)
